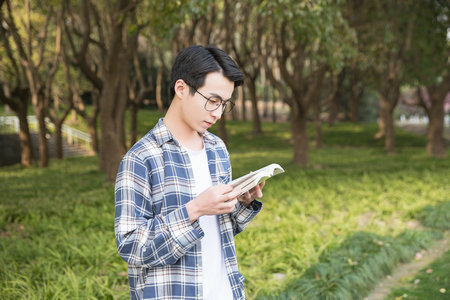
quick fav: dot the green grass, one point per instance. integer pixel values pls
(433, 282)
(310, 212)
(326, 232)
(57, 239)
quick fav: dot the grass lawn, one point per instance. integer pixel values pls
(328, 231)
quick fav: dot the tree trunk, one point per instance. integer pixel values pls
(25, 138)
(74, 116)
(274, 107)
(317, 126)
(234, 112)
(120, 109)
(387, 106)
(300, 136)
(43, 147)
(353, 107)
(435, 136)
(244, 108)
(133, 123)
(265, 96)
(435, 111)
(255, 113)
(20, 107)
(113, 103)
(390, 133)
(93, 133)
(336, 99)
(110, 149)
(159, 101)
(222, 130)
(381, 122)
(334, 108)
(58, 140)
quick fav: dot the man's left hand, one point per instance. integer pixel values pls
(251, 195)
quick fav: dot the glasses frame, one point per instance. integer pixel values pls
(223, 103)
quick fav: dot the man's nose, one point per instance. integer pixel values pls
(217, 113)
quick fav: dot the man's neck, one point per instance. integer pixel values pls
(187, 137)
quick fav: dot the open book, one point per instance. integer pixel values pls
(247, 182)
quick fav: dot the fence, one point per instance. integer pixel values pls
(10, 124)
(420, 120)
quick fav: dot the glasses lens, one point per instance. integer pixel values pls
(213, 103)
(228, 106)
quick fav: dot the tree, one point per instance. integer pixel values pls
(432, 99)
(248, 30)
(60, 104)
(306, 39)
(384, 39)
(14, 91)
(427, 67)
(36, 59)
(329, 92)
(107, 67)
(139, 87)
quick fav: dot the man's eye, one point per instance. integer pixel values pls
(215, 101)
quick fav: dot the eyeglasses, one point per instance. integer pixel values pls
(214, 102)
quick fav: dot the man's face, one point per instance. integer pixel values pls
(194, 113)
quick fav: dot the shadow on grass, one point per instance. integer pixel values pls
(352, 269)
(361, 135)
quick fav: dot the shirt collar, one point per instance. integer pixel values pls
(162, 135)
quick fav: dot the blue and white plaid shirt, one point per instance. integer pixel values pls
(154, 235)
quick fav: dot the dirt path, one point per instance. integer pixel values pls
(423, 258)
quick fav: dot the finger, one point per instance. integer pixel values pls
(232, 204)
(227, 207)
(234, 194)
(243, 198)
(225, 188)
(229, 196)
(257, 193)
(262, 184)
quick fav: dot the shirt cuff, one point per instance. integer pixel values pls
(183, 232)
(255, 205)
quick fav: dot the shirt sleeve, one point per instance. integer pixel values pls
(242, 215)
(143, 238)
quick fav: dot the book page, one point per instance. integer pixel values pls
(250, 180)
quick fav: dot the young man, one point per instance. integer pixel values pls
(175, 216)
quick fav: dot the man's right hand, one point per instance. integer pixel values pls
(216, 200)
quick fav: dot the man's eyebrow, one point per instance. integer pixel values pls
(220, 97)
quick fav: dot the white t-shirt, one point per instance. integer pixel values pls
(216, 285)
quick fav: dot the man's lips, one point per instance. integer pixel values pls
(209, 123)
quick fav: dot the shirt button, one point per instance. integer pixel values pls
(198, 265)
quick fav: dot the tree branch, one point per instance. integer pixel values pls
(44, 39)
(9, 52)
(16, 37)
(55, 64)
(422, 101)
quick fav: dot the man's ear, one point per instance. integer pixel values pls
(181, 89)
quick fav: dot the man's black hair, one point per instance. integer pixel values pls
(193, 63)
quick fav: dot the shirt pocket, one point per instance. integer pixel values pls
(223, 179)
(223, 173)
